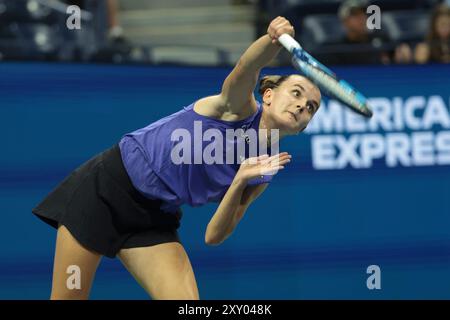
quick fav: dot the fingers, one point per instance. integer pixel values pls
(276, 160)
(276, 163)
(282, 162)
(271, 170)
(279, 26)
(279, 161)
(281, 158)
(266, 165)
(259, 159)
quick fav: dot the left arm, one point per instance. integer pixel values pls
(236, 201)
(250, 194)
(239, 196)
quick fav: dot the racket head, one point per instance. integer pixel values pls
(333, 87)
(325, 79)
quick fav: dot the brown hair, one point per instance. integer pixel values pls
(433, 39)
(271, 82)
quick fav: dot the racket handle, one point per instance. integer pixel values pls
(288, 42)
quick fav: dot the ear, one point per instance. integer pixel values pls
(267, 97)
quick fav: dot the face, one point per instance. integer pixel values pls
(292, 105)
(355, 23)
(442, 26)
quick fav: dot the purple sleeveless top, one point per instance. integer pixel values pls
(147, 154)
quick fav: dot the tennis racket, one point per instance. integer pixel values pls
(324, 78)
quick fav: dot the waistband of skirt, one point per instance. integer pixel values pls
(113, 164)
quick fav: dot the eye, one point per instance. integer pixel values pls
(310, 107)
(297, 93)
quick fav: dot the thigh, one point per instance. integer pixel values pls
(163, 270)
(72, 260)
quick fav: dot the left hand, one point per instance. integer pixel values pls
(262, 165)
(279, 26)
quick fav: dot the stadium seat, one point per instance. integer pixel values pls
(31, 41)
(320, 29)
(26, 11)
(406, 26)
(188, 55)
(393, 5)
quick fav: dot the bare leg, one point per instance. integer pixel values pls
(68, 253)
(163, 270)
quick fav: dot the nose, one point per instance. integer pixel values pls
(300, 108)
(301, 105)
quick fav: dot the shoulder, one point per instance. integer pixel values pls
(216, 107)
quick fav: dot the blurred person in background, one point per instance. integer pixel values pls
(108, 43)
(110, 9)
(365, 46)
(436, 47)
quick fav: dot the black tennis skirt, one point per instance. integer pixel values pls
(101, 208)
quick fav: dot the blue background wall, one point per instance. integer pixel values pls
(311, 235)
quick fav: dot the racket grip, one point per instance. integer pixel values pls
(288, 42)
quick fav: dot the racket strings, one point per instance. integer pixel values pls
(325, 78)
(334, 88)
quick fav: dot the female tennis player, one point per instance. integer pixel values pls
(125, 201)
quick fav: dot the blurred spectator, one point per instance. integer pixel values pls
(436, 47)
(110, 19)
(364, 46)
(115, 30)
(108, 44)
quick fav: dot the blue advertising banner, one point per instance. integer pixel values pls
(361, 212)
